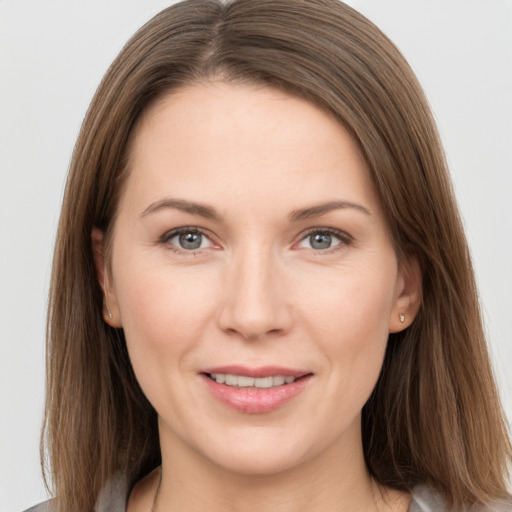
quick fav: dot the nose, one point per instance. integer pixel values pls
(255, 300)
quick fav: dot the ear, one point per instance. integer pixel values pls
(111, 313)
(408, 296)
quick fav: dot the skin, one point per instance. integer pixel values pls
(257, 292)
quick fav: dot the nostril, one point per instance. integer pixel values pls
(256, 323)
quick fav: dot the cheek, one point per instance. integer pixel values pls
(163, 310)
(355, 305)
(350, 322)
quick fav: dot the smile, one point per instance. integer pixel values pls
(242, 381)
(255, 390)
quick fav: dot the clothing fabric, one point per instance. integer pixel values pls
(114, 496)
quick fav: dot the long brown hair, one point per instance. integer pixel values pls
(434, 416)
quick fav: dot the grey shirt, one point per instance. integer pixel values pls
(114, 496)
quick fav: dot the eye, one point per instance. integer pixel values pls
(323, 239)
(187, 239)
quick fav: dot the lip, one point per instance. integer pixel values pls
(261, 371)
(256, 400)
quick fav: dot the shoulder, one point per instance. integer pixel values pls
(111, 499)
(42, 507)
(114, 495)
(425, 499)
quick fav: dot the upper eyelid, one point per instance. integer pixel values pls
(337, 232)
(345, 240)
(168, 235)
(185, 229)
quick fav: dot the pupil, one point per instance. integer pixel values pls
(190, 240)
(320, 241)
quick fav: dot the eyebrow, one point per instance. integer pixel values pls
(323, 208)
(186, 206)
(209, 213)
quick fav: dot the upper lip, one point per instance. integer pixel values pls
(257, 372)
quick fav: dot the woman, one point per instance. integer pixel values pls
(262, 294)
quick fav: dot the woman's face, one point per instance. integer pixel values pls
(254, 277)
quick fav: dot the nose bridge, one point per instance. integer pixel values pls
(255, 302)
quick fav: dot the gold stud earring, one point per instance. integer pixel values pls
(402, 318)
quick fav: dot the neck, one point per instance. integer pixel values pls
(337, 480)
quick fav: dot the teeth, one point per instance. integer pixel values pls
(231, 380)
(279, 380)
(265, 382)
(241, 381)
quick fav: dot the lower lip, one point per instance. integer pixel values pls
(253, 400)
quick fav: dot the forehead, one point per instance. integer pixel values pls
(246, 140)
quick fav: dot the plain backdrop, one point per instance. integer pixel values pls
(52, 56)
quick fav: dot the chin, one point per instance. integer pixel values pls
(259, 461)
(260, 451)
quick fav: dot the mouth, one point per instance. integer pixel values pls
(243, 381)
(255, 391)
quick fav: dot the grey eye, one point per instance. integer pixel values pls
(320, 240)
(189, 240)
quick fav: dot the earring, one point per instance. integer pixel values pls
(108, 314)
(402, 318)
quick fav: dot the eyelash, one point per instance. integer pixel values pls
(345, 239)
(169, 235)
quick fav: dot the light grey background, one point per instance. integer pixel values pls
(52, 56)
